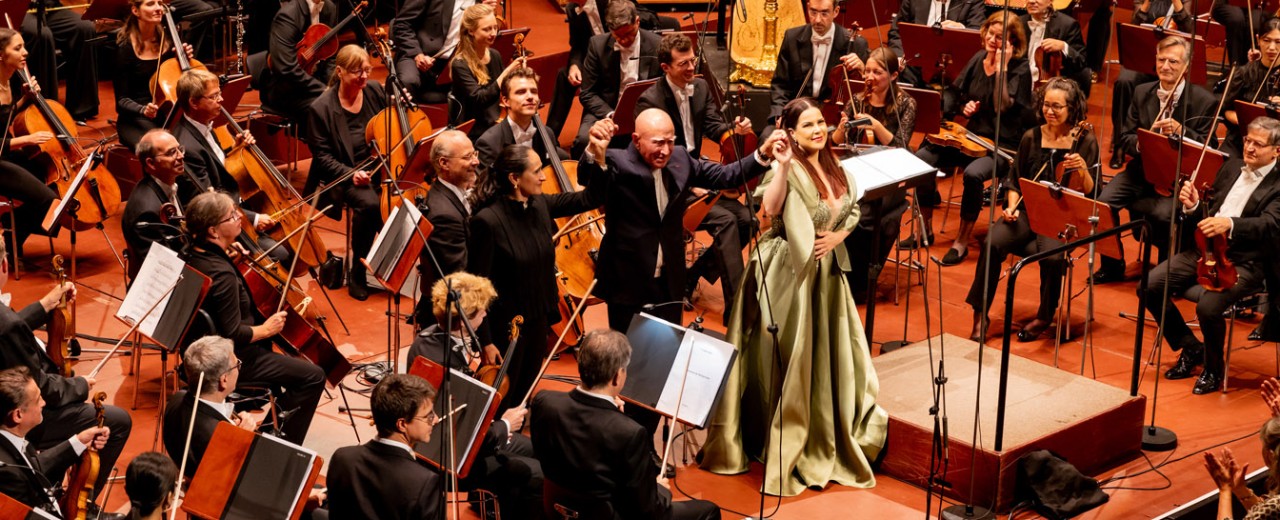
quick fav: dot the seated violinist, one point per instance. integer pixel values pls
(1244, 213)
(383, 478)
(212, 358)
(808, 53)
(1253, 83)
(29, 475)
(17, 179)
(519, 95)
(67, 411)
(505, 464)
(200, 97)
(286, 87)
(1173, 13)
(162, 161)
(478, 71)
(213, 223)
(614, 60)
(1053, 32)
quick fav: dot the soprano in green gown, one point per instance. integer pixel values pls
(828, 423)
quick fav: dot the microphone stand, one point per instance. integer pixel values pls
(940, 447)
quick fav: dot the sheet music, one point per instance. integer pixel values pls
(159, 272)
(708, 365)
(396, 233)
(69, 197)
(887, 166)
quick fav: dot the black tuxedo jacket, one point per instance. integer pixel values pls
(203, 169)
(143, 206)
(792, 79)
(375, 480)
(1061, 26)
(602, 71)
(28, 484)
(287, 29)
(177, 415)
(1256, 227)
(499, 136)
(421, 26)
(971, 13)
(450, 231)
(581, 32)
(18, 347)
(707, 119)
(586, 445)
(1199, 104)
(629, 251)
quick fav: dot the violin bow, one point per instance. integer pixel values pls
(186, 449)
(1221, 101)
(547, 362)
(675, 415)
(137, 323)
(284, 294)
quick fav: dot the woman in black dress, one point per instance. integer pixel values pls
(511, 245)
(1043, 148)
(16, 180)
(477, 70)
(142, 47)
(336, 136)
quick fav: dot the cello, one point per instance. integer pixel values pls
(164, 83)
(577, 242)
(392, 125)
(79, 492)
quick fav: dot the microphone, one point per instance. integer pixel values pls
(649, 307)
(96, 158)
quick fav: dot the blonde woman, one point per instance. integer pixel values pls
(477, 70)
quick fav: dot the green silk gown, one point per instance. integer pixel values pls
(827, 427)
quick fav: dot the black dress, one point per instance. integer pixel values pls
(132, 85)
(1250, 81)
(16, 178)
(511, 245)
(479, 100)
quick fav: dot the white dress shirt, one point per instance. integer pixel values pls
(455, 29)
(524, 137)
(1236, 199)
(629, 62)
(593, 15)
(821, 53)
(397, 444)
(686, 114)
(206, 131)
(937, 12)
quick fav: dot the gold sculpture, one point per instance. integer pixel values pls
(756, 40)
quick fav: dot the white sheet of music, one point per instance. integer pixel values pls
(887, 166)
(395, 235)
(159, 272)
(708, 365)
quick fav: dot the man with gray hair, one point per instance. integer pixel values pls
(1245, 214)
(624, 54)
(212, 358)
(163, 161)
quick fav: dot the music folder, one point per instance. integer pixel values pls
(1164, 158)
(470, 423)
(168, 321)
(251, 477)
(657, 379)
(882, 171)
(398, 245)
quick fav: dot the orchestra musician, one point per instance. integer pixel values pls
(695, 114)
(149, 484)
(513, 226)
(214, 359)
(1253, 84)
(1237, 26)
(1122, 91)
(425, 34)
(614, 60)
(1056, 32)
(892, 113)
(1245, 209)
(505, 464)
(29, 474)
(337, 129)
(519, 96)
(1062, 106)
(213, 224)
(986, 90)
(67, 410)
(142, 47)
(588, 447)
(200, 96)
(162, 161)
(16, 178)
(449, 210)
(478, 71)
(383, 478)
(64, 30)
(1163, 106)
(807, 53)
(953, 14)
(285, 86)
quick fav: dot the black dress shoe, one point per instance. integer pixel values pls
(1117, 160)
(1206, 383)
(1102, 276)
(1033, 330)
(954, 258)
(910, 242)
(91, 510)
(1256, 335)
(1186, 365)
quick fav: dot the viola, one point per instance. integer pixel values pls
(495, 375)
(955, 135)
(1214, 270)
(1078, 180)
(577, 242)
(84, 475)
(392, 126)
(99, 196)
(320, 42)
(62, 326)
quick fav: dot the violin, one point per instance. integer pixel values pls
(320, 42)
(1078, 180)
(1049, 64)
(62, 327)
(390, 127)
(1214, 270)
(164, 83)
(577, 242)
(495, 375)
(955, 135)
(99, 195)
(84, 475)
(732, 145)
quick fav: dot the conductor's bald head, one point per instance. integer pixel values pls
(655, 137)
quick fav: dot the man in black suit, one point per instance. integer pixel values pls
(285, 86)
(425, 33)
(67, 412)
(1123, 91)
(694, 113)
(588, 447)
(1244, 211)
(455, 160)
(953, 14)
(614, 60)
(518, 93)
(1129, 189)
(63, 30)
(807, 53)
(162, 162)
(26, 476)
(383, 477)
(1052, 32)
(214, 359)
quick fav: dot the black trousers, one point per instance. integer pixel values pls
(422, 85)
(860, 243)
(976, 174)
(693, 509)
(561, 102)
(200, 32)
(366, 215)
(1180, 273)
(730, 225)
(132, 127)
(1098, 36)
(297, 384)
(531, 349)
(1236, 23)
(1130, 190)
(64, 30)
(1017, 238)
(17, 182)
(64, 422)
(514, 474)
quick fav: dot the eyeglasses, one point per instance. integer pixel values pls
(1255, 143)
(431, 418)
(216, 96)
(360, 72)
(235, 215)
(239, 363)
(176, 151)
(1054, 106)
(821, 13)
(466, 157)
(686, 64)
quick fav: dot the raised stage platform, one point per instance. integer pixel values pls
(1090, 424)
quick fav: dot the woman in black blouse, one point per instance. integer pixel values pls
(16, 180)
(511, 245)
(477, 70)
(1252, 84)
(985, 89)
(336, 136)
(1042, 149)
(142, 48)
(212, 225)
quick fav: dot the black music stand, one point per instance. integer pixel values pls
(473, 421)
(251, 472)
(391, 260)
(1166, 160)
(1138, 50)
(943, 53)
